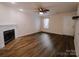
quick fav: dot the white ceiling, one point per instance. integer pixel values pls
(57, 7)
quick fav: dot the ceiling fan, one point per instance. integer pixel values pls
(42, 10)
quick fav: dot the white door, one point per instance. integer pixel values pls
(76, 40)
(68, 26)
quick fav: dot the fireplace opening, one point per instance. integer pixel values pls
(9, 35)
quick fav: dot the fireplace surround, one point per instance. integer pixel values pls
(10, 30)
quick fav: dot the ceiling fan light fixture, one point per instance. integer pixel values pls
(41, 13)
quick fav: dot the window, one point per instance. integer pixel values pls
(46, 23)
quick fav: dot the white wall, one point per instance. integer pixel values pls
(56, 24)
(26, 23)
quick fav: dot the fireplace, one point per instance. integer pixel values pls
(9, 35)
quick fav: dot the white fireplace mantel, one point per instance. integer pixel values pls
(5, 28)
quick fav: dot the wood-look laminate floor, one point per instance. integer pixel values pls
(40, 45)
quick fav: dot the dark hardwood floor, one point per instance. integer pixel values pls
(40, 45)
